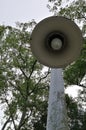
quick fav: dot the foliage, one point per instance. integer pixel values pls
(74, 10)
(23, 84)
(74, 73)
(76, 114)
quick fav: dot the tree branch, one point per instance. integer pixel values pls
(11, 115)
(7, 121)
(43, 77)
(22, 117)
(33, 66)
(40, 81)
(81, 85)
(17, 88)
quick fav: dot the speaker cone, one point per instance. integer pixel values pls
(56, 42)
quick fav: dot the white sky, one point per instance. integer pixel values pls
(72, 91)
(12, 11)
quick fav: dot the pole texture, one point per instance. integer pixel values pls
(57, 115)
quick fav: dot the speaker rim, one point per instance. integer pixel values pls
(38, 33)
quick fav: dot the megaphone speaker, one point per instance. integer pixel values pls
(56, 42)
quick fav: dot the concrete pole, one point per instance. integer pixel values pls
(57, 115)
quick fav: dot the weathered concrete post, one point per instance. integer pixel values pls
(57, 115)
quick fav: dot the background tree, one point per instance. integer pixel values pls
(23, 83)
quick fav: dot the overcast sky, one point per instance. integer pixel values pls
(12, 11)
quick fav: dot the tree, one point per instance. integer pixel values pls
(23, 83)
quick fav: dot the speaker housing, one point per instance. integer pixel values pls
(56, 27)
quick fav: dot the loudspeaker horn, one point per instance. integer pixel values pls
(56, 41)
